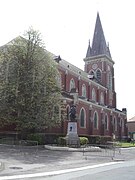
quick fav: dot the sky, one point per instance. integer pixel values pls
(66, 27)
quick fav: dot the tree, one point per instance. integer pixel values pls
(29, 89)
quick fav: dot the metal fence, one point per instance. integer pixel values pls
(109, 150)
(9, 141)
(23, 146)
(27, 146)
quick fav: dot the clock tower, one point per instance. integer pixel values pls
(98, 61)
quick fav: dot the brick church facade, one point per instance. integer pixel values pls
(93, 92)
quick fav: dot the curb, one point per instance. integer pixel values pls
(56, 148)
(2, 166)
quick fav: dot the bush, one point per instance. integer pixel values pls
(83, 140)
(105, 139)
(62, 141)
(36, 137)
(99, 139)
(94, 139)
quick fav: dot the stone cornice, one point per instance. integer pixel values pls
(80, 74)
(102, 57)
(101, 107)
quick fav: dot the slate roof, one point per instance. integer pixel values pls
(99, 46)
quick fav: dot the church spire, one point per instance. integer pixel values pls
(88, 50)
(99, 46)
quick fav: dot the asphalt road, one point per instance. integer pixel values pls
(118, 171)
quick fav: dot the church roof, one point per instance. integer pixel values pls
(99, 46)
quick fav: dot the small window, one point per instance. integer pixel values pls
(110, 81)
(58, 80)
(106, 122)
(68, 110)
(95, 120)
(98, 75)
(84, 90)
(82, 118)
(93, 95)
(72, 84)
(91, 72)
(122, 124)
(102, 98)
(115, 124)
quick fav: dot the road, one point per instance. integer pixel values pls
(105, 171)
(118, 171)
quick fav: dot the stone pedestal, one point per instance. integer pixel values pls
(72, 136)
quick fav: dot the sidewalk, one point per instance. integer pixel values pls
(13, 161)
(16, 161)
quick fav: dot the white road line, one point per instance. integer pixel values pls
(55, 172)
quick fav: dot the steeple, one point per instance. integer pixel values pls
(88, 50)
(99, 46)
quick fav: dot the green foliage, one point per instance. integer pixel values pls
(36, 137)
(29, 90)
(83, 140)
(62, 141)
(99, 139)
(105, 139)
(126, 144)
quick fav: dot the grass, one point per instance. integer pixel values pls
(126, 144)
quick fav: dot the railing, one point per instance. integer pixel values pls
(109, 150)
(9, 141)
(23, 146)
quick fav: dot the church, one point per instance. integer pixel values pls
(93, 92)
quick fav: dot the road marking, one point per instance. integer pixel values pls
(51, 173)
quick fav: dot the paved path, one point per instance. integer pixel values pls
(31, 161)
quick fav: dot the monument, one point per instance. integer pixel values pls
(72, 136)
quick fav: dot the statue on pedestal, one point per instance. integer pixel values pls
(72, 136)
(72, 113)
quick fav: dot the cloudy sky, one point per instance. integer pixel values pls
(66, 27)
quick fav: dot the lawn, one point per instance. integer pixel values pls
(126, 144)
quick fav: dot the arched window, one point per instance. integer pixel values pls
(84, 90)
(95, 120)
(72, 84)
(109, 80)
(98, 75)
(93, 95)
(106, 122)
(91, 72)
(58, 80)
(102, 98)
(82, 118)
(115, 123)
(122, 123)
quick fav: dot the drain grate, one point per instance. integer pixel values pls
(16, 168)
